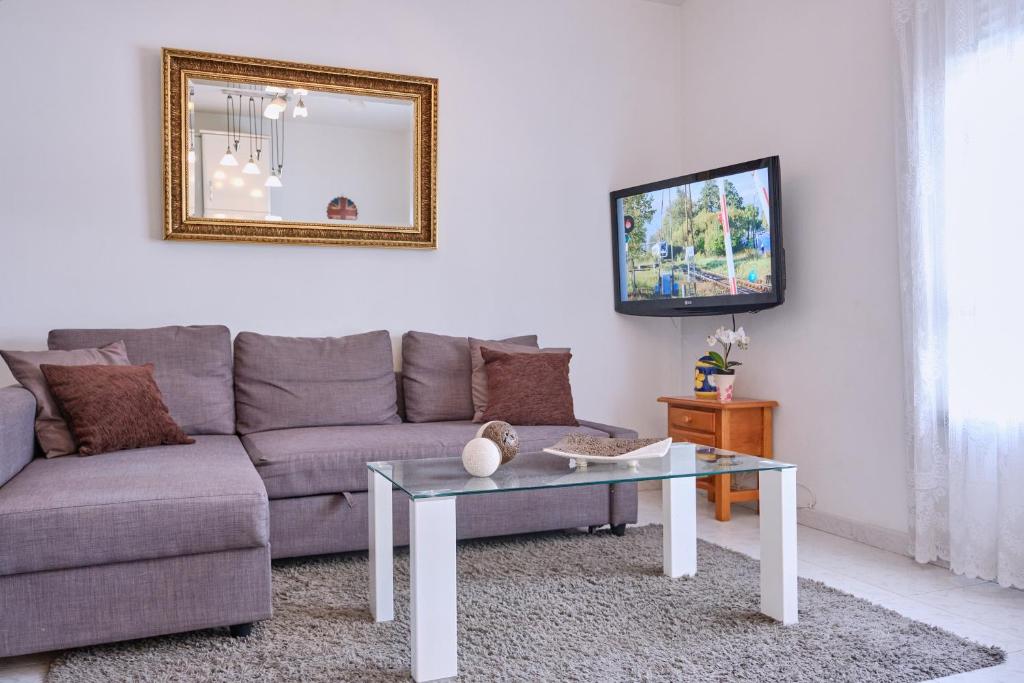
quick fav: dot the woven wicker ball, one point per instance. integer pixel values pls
(503, 434)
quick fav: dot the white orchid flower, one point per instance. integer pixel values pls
(711, 340)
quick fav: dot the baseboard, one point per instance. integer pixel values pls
(878, 537)
(869, 534)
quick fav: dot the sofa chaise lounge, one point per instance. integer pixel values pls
(169, 539)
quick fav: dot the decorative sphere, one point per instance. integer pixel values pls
(503, 434)
(481, 457)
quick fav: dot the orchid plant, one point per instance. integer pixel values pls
(727, 338)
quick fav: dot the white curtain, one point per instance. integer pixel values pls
(962, 280)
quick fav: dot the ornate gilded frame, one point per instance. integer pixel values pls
(179, 65)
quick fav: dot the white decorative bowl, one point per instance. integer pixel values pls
(633, 458)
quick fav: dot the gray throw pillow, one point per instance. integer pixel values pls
(51, 428)
(437, 376)
(191, 363)
(286, 382)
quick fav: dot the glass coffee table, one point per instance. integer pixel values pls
(433, 485)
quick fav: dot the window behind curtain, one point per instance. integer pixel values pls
(983, 242)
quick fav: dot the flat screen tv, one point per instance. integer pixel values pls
(700, 244)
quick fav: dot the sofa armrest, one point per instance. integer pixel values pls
(17, 431)
(610, 430)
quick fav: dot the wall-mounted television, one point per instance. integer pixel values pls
(700, 244)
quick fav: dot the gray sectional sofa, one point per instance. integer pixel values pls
(175, 538)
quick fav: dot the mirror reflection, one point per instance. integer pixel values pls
(268, 153)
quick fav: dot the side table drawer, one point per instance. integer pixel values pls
(691, 420)
(693, 437)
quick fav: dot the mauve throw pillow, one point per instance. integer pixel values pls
(528, 388)
(288, 382)
(51, 427)
(437, 375)
(113, 407)
(479, 379)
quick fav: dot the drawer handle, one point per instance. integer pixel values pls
(686, 427)
(687, 418)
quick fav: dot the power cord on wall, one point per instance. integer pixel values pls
(814, 498)
(678, 324)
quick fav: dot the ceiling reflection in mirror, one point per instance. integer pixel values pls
(269, 153)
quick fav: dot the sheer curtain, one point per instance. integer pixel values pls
(962, 280)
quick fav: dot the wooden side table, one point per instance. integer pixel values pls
(743, 425)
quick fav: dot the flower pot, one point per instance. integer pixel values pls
(724, 384)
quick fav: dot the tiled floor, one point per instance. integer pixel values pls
(974, 609)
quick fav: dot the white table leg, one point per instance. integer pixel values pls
(382, 562)
(778, 544)
(433, 604)
(679, 526)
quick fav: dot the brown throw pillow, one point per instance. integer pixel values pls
(528, 388)
(51, 428)
(113, 407)
(479, 376)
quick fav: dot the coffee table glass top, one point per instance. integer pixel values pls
(434, 477)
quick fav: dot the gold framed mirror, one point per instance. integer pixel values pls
(257, 150)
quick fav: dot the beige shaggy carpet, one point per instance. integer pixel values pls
(552, 607)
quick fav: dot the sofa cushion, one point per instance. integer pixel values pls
(113, 407)
(286, 382)
(131, 505)
(305, 462)
(528, 388)
(437, 375)
(192, 367)
(476, 347)
(52, 428)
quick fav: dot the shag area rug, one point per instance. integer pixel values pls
(563, 606)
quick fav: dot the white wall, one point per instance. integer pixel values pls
(544, 108)
(815, 83)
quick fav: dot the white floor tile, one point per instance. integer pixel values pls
(28, 669)
(990, 603)
(1010, 672)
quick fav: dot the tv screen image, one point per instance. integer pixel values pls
(699, 244)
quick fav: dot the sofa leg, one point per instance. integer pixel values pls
(241, 630)
(619, 529)
(592, 528)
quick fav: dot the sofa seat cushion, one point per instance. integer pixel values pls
(130, 505)
(314, 460)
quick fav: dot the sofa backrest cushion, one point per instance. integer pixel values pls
(285, 382)
(437, 376)
(191, 365)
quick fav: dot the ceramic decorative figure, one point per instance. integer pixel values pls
(481, 457)
(504, 435)
(725, 369)
(703, 374)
